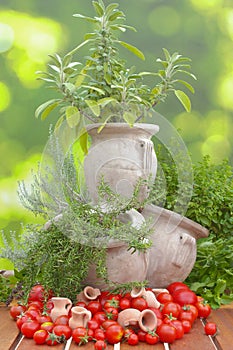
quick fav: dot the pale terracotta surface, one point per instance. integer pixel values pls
(62, 306)
(148, 295)
(89, 293)
(79, 317)
(173, 254)
(145, 319)
(122, 155)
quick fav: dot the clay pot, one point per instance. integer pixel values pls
(88, 294)
(145, 319)
(147, 294)
(122, 266)
(61, 307)
(121, 155)
(173, 253)
(79, 317)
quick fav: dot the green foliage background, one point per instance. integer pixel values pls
(30, 30)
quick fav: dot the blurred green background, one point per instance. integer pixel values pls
(30, 30)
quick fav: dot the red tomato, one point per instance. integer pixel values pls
(49, 306)
(203, 309)
(29, 328)
(171, 308)
(112, 313)
(166, 333)
(79, 335)
(164, 297)
(92, 324)
(81, 303)
(186, 326)
(94, 306)
(38, 293)
(157, 312)
(40, 336)
(139, 303)
(63, 331)
(17, 310)
(132, 339)
(21, 320)
(90, 334)
(100, 317)
(125, 303)
(33, 313)
(47, 326)
(186, 315)
(114, 333)
(44, 318)
(100, 345)
(63, 319)
(151, 338)
(99, 334)
(141, 335)
(36, 304)
(179, 328)
(184, 297)
(210, 328)
(127, 332)
(107, 323)
(52, 339)
(192, 309)
(111, 303)
(175, 286)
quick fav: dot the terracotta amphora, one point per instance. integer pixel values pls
(61, 307)
(79, 317)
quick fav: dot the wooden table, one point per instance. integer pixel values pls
(10, 339)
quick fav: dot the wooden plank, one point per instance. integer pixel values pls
(29, 344)
(8, 329)
(223, 317)
(195, 339)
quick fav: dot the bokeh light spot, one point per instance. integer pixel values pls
(164, 20)
(217, 146)
(225, 92)
(189, 125)
(226, 21)
(206, 4)
(5, 96)
(6, 37)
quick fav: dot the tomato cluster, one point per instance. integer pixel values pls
(179, 308)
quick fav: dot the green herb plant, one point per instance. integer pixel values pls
(100, 87)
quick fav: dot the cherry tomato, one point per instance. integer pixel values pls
(203, 309)
(151, 338)
(112, 313)
(171, 308)
(36, 304)
(90, 334)
(175, 286)
(164, 297)
(141, 335)
(17, 310)
(125, 303)
(94, 306)
(63, 319)
(139, 303)
(100, 345)
(99, 334)
(100, 317)
(81, 303)
(52, 339)
(47, 326)
(191, 308)
(186, 315)
(114, 333)
(179, 328)
(186, 326)
(43, 318)
(156, 311)
(38, 293)
(79, 335)
(132, 339)
(40, 336)
(62, 330)
(184, 297)
(107, 323)
(29, 328)
(210, 328)
(33, 313)
(166, 333)
(111, 303)
(21, 320)
(93, 324)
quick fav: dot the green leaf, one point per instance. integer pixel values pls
(72, 116)
(55, 68)
(166, 54)
(94, 88)
(59, 123)
(116, 15)
(45, 108)
(98, 8)
(188, 86)
(110, 8)
(129, 118)
(104, 101)
(83, 140)
(80, 78)
(132, 48)
(88, 19)
(184, 99)
(57, 59)
(79, 46)
(93, 105)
